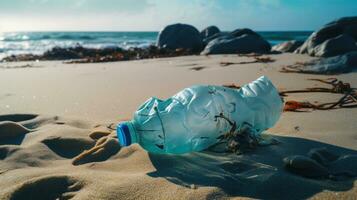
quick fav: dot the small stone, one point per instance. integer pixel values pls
(193, 186)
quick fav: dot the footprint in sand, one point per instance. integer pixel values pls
(5, 151)
(12, 132)
(17, 117)
(49, 187)
(68, 147)
(321, 163)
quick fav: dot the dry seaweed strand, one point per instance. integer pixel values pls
(295, 68)
(257, 59)
(237, 139)
(348, 100)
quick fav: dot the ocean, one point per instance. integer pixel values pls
(13, 43)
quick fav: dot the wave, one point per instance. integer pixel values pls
(39, 42)
(46, 37)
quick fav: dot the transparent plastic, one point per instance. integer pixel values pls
(188, 121)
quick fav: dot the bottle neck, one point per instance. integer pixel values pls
(126, 133)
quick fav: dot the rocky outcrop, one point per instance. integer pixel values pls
(288, 46)
(239, 41)
(209, 31)
(180, 36)
(335, 38)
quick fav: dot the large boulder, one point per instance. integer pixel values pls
(209, 31)
(180, 36)
(239, 41)
(331, 65)
(214, 36)
(288, 46)
(336, 46)
(335, 38)
(243, 31)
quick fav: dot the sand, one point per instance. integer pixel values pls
(57, 138)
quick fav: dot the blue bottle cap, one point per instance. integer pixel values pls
(124, 134)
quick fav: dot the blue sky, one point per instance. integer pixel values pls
(152, 15)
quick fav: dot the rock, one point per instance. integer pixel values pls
(180, 36)
(305, 166)
(217, 35)
(322, 156)
(209, 31)
(288, 46)
(246, 43)
(332, 65)
(323, 163)
(336, 46)
(243, 31)
(342, 32)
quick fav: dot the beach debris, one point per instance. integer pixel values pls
(80, 54)
(322, 163)
(250, 55)
(198, 68)
(335, 38)
(157, 120)
(19, 66)
(348, 100)
(232, 85)
(257, 59)
(332, 65)
(240, 139)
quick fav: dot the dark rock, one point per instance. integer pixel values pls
(246, 43)
(289, 46)
(323, 163)
(209, 31)
(305, 166)
(341, 31)
(180, 36)
(331, 65)
(215, 36)
(243, 31)
(336, 46)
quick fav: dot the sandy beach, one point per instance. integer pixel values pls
(60, 110)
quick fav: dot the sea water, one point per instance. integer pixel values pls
(13, 43)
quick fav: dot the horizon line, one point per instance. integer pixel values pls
(143, 31)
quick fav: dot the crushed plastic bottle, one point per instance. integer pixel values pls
(188, 121)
